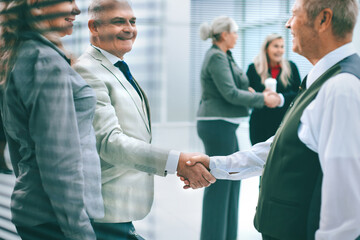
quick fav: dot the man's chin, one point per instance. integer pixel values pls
(126, 49)
(295, 49)
(125, 46)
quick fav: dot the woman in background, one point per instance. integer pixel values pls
(224, 100)
(270, 64)
(47, 111)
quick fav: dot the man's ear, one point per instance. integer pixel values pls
(324, 19)
(93, 27)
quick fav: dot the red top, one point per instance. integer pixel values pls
(275, 71)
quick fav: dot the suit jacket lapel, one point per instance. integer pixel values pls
(145, 104)
(142, 106)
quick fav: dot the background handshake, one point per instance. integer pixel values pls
(193, 169)
(271, 98)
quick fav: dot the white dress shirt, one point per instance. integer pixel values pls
(329, 126)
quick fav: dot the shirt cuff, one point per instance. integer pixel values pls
(212, 164)
(282, 102)
(172, 162)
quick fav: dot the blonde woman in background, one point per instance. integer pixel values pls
(270, 63)
(47, 111)
(224, 100)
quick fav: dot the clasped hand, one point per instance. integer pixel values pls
(193, 169)
(271, 98)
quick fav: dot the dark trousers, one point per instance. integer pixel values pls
(221, 199)
(115, 231)
(43, 231)
(265, 237)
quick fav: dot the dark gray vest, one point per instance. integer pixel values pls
(290, 192)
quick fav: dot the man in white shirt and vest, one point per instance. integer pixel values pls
(310, 185)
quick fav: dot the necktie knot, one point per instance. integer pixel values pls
(124, 68)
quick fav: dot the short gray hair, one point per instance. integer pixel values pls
(220, 24)
(97, 7)
(344, 14)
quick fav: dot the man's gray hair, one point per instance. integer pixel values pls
(97, 7)
(344, 14)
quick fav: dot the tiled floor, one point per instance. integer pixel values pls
(176, 213)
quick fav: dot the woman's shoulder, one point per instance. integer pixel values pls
(28, 50)
(251, 66)
(35, 57)
(33, 51)
(215, 51)
(292, 64)
(251, 69)
(215, 56)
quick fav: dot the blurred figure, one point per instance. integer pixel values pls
(3, 167)
(270, 64)
(224, 100)
(47, 111)
(123, 126)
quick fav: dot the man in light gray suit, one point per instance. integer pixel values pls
(122, 124)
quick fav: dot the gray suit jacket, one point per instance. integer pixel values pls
(47, 113)
(225, 87)
(123, 136)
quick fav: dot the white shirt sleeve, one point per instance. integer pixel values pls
(282, 100)
(241, 165)
(172, 161)
(330, 127)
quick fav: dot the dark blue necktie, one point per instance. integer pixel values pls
(124, 68)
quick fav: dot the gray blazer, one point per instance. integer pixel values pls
(123, 136)
(225, 87)
(47, 110)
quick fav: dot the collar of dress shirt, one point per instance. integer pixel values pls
(328, 61)
(112, 58)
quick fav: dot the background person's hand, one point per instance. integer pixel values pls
(271, 99)
(251, 90)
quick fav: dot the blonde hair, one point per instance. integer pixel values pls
(220, 24)
(261, 62)
(18, 16)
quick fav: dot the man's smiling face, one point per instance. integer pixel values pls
(117, 30)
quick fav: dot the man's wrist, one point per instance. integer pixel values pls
(172, 162)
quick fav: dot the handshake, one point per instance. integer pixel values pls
(193, 170)
(271, 98)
